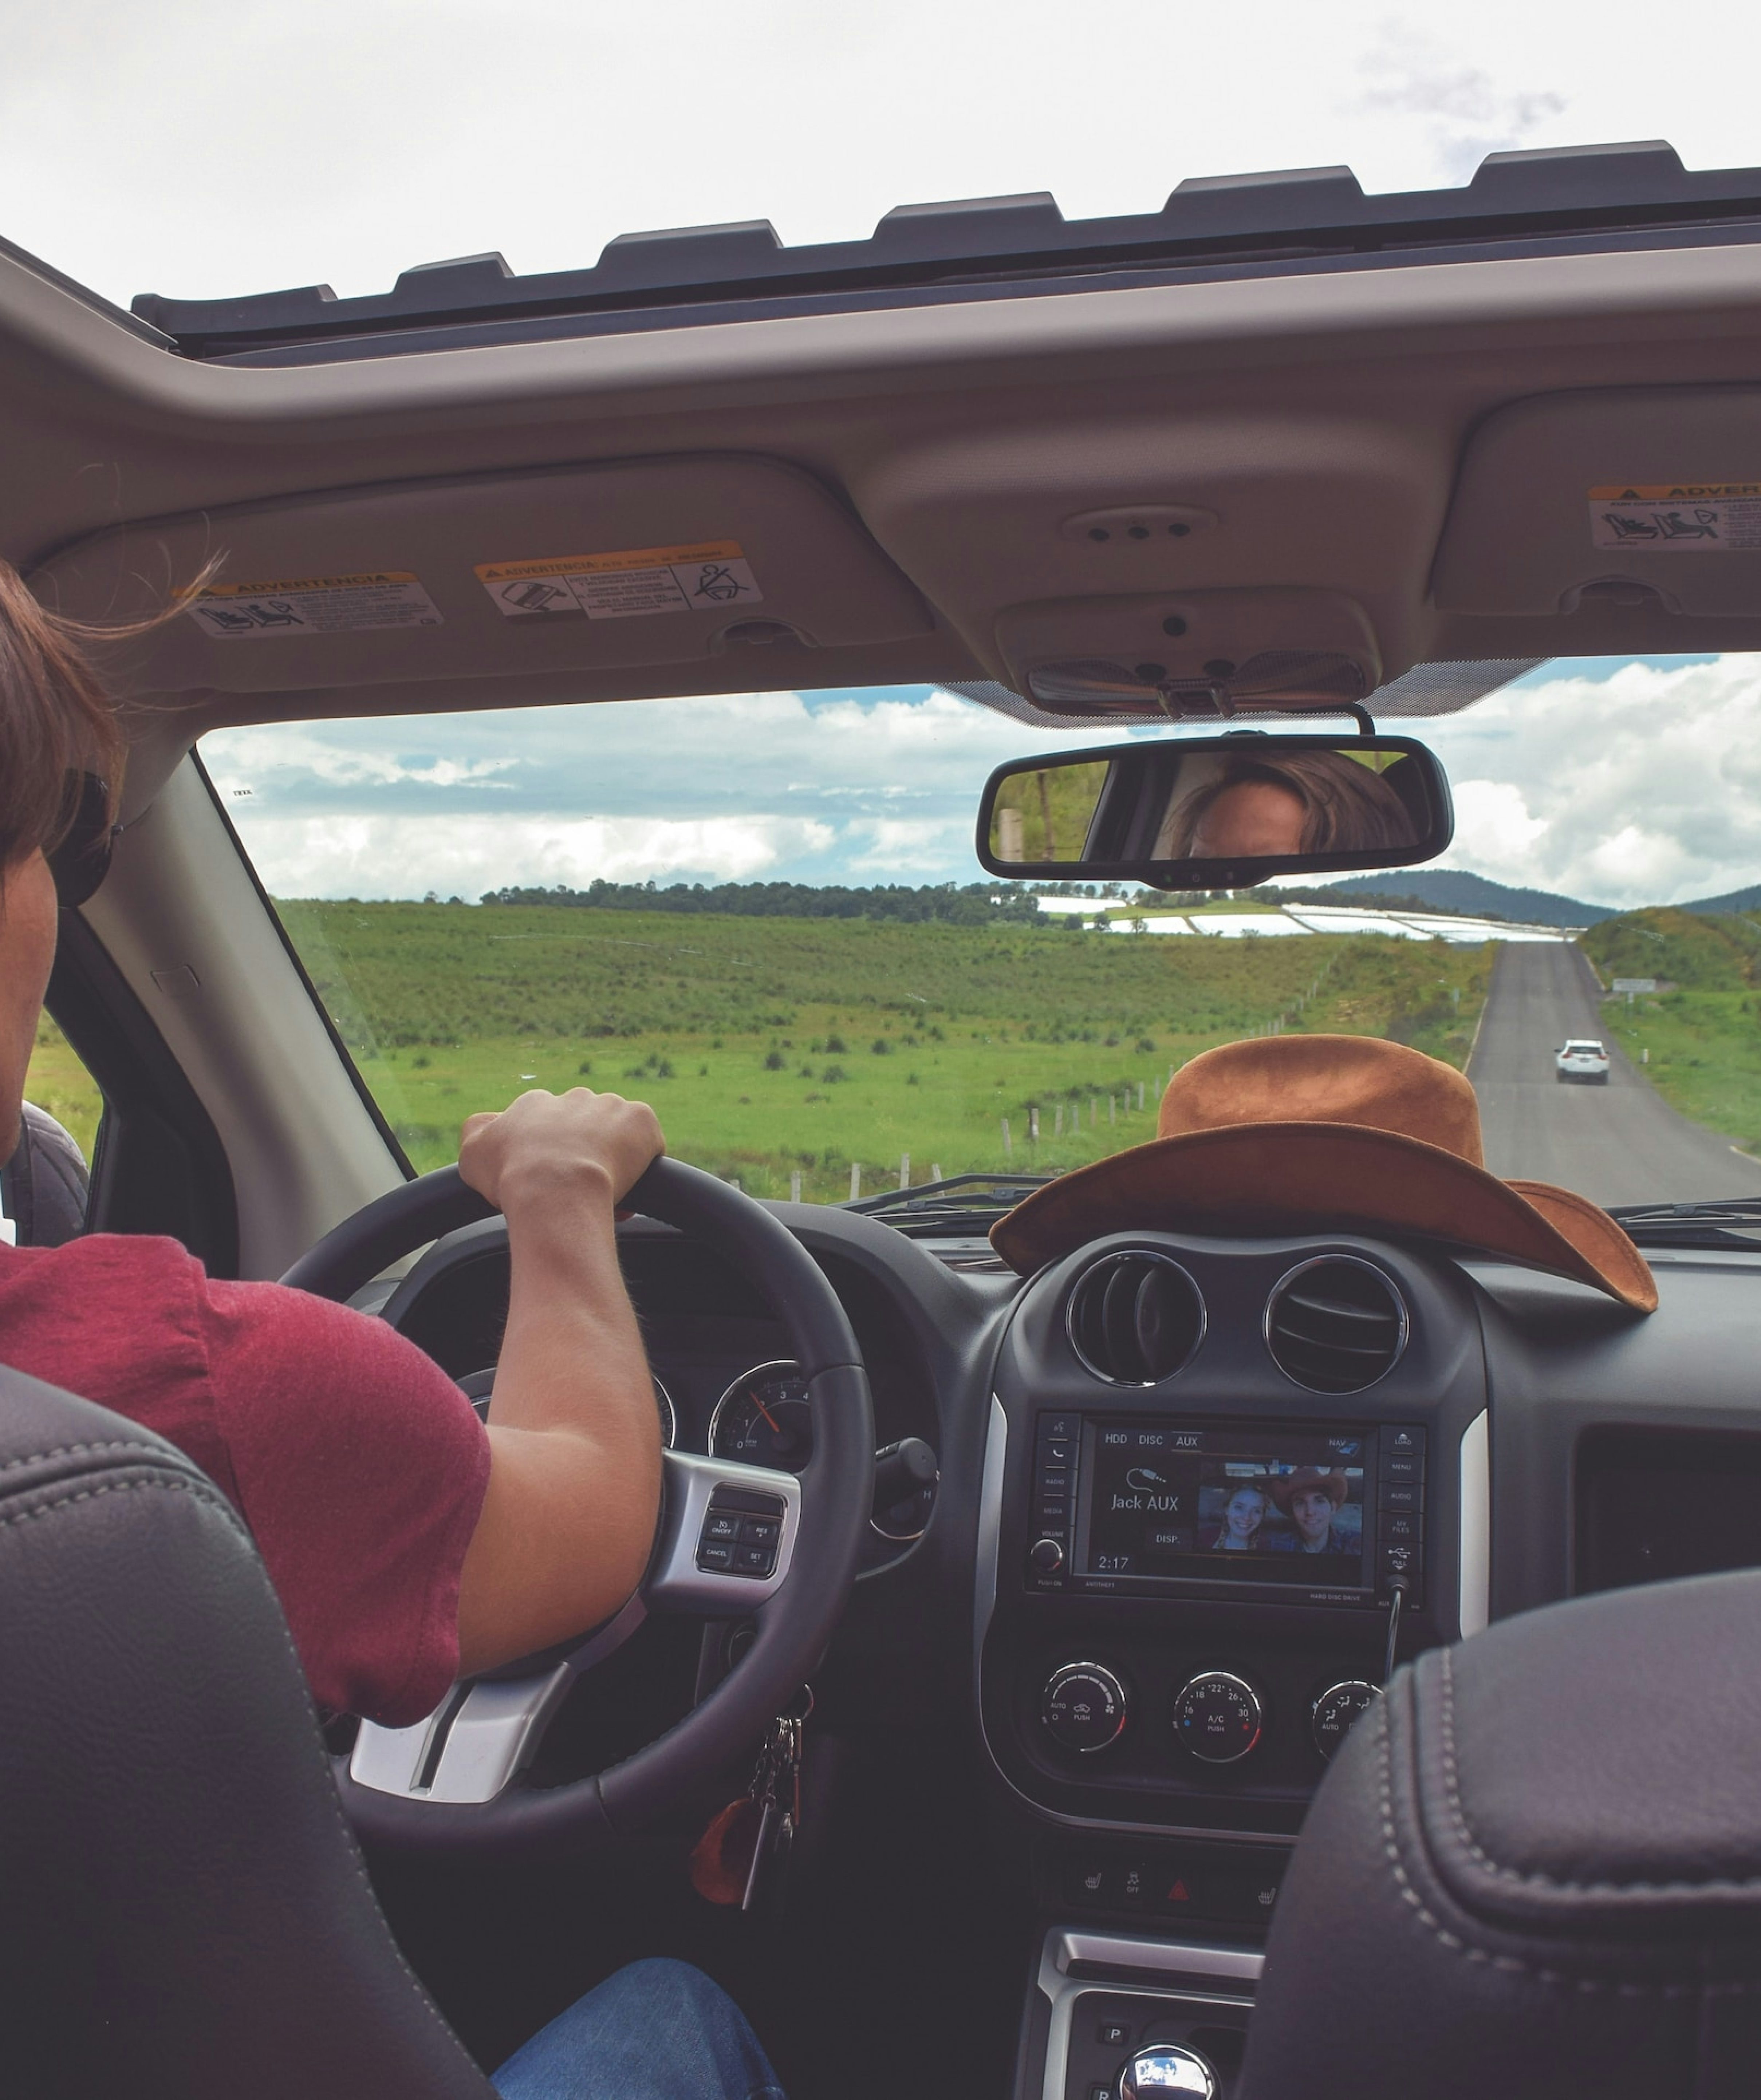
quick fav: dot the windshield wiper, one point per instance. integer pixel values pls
(969, 1202)
(1724, 1221)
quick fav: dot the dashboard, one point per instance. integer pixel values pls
(1190, 1497)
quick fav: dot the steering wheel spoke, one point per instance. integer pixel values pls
(727, 1536)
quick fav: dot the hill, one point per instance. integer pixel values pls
(1733, 901)
(1694, 951)
(1475, 896)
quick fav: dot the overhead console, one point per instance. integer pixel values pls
(1213, 1466)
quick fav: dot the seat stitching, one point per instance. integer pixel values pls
(71, 1450)
(1511, 1964)
(1712, 1884)
(203, 1492)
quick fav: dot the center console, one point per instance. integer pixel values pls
(1222, 1476)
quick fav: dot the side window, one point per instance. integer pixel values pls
(43, 1185)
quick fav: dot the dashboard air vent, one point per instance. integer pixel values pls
(1135, 1317)
(1335, 1325)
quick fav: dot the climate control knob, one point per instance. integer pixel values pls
(1336, 1710)
(1217, 1717)
(1083, 1707)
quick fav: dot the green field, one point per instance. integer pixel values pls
(776, 1047)
(1699, 1043)
(773, 1046)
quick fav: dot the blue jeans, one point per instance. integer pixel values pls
(655, 2031)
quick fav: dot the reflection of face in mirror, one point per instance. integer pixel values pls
(1264, 808)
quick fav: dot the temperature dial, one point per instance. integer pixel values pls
(1083, 1707)
(1217, 1717)
(1336, 1710)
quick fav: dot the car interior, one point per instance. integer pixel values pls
(1078, 1818)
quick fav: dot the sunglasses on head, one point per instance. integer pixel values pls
(82, 859)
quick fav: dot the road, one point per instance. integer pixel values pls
(1618, 1144)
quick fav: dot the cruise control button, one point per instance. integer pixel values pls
(759, 1530)
(722, 1525)
(715, 1556)
(754, 1559)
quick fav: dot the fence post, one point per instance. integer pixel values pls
(1112, 1108)
(1008, 1149)
(795, 1186)
(1140, 1097)
(855, 1182)
(1058, 1121)
(904, 1170)
(1033, 1126)
(935, 1170)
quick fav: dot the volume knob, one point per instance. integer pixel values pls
(1046, 1556)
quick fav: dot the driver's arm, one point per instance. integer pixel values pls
(568, 1517)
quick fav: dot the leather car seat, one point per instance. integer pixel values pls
(183, 1911)
(1534, 1869)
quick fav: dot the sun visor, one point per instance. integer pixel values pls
(592, 568)
(1636, 498)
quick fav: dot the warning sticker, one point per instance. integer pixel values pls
(313, 605)
(1695, 517)
(625, 585)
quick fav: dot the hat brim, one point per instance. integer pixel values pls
(1278, 1177)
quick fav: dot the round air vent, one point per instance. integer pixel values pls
(1335, 1325)
(1135, 1317)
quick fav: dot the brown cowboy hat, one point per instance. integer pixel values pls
(1292, 1132)
(1287, 1486)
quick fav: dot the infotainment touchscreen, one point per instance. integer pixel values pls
(1258, 1504)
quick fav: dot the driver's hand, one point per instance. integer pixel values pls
(547, 1146)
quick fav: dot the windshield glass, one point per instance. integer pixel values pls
(762, 912)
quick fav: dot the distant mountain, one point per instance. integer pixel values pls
(1732, 901)
(1453, 889)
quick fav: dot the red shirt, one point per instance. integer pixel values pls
(358, 1464)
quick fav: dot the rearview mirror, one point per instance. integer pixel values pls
(1216, 811)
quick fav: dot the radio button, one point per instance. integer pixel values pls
(1217, 1717)
(1083, 1707)
(1337, 1708)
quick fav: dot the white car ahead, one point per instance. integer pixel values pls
(1585, 1060)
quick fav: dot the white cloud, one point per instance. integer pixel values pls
(386, 856)
(1639, 787)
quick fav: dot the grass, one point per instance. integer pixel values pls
(773, 1046)
(777, 1047)
(1698, 1039)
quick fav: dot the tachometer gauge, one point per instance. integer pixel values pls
(668, 1415)
(764, 1419)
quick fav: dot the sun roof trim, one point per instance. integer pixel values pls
(1299, 216)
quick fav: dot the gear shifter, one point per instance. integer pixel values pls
(1167, 2066)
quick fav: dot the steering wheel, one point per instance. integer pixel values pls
(453, 1781)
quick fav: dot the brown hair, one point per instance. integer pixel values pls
(1346, 807)
(56, 722)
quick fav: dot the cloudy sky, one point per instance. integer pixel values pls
(1619, 784)
(206, 149)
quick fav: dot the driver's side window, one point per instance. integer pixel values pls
(44, 1185)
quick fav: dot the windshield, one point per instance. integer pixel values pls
(763, 913)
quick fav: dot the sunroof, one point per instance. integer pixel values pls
(1317, 219)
